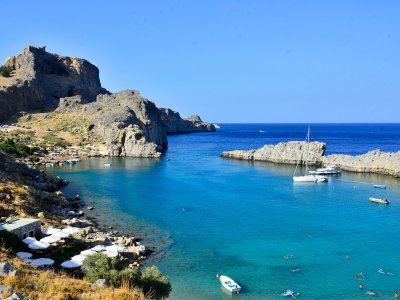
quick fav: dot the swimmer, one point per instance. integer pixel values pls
(286, 257)
(371, 292)
(396, 295)
(296, 270)
(389, 273)
(361, 274)
(347, 257)
(217, 276)
(361, 286)
(381, 271)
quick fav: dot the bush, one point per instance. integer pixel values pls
(57, 141)
(130, 277)
(5, 71)
(99, 266)
(11, 147)
(153, 281)
(9, 240)
(33, 158)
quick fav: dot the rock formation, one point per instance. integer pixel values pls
(40, 79)
(288, 153)
(175, 124)
(372, 162)
(122, 124)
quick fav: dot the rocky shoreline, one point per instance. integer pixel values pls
(293, 152)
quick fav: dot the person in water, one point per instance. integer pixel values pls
(361, 286)
(396, 295)
(217, 276)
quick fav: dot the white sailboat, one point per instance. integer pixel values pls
(307, 177)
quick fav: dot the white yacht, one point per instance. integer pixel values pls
(307, 177)
(329, 170)
(229, 284)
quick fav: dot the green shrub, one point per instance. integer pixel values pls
(131, 277)
(11, 147)
(99, 266)
(67, 251)
(153, 281)
(33, 158)
(57, 141)
(5, 71)
(11, 241)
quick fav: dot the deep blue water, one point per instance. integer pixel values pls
(205, 214)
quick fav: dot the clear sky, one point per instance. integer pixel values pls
(229, 61)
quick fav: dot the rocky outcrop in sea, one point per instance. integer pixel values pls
(41, 78)
(287, 153)
(297, 152)
(175, 124)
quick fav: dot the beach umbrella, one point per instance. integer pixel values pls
(29, 240)
(50, 239)
(98, 248)
(71, 230)
(71, 264)
(28, 260)
(111, 253)
(61, 234)
(38, 245)
(115, 248)
(24, 255)
(85, 253)
(50, 231)
(78, 258)
(40, 262)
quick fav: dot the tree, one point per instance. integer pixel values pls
(153, 281)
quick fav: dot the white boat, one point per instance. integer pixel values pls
(307, 177)
(379, 200)
(229, 284)
(107, 165)
(329, 170)
(379, 186)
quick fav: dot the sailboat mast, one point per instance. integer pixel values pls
(308, 148)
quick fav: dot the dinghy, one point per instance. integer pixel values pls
(379, 186)
(379, 200)
(229, 284)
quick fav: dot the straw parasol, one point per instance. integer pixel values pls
(40, 262)
(71, 264)
(50, 239)
(29, 240)
(24, 255)
(50, 231)
(38, 245)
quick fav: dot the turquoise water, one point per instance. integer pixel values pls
(205, 214)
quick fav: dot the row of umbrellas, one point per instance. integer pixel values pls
(77, 260)
(39, 262)
(54, 235)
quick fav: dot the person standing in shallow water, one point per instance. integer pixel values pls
(396, 295)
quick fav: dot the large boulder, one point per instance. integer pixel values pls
(6, 269)
(40, 79)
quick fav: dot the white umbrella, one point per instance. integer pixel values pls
(115, 248)
(98, 248)
(61, 234)
(71, 230)
(29, 240)
(38, 245)
(71, 264)
(24, 255)
(42, 262)
(111, 253)
(78, 258)
(50, 239)
(50, 231)
(87, 252)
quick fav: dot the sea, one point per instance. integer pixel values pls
(204, 215)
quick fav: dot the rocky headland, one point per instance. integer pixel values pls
(62, 97)
(297, 152)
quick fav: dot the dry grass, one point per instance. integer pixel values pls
(72, 127)
(46, 285)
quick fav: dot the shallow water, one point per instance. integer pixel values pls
(206, 214)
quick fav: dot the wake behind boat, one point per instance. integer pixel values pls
(379, 200)
(229, 284)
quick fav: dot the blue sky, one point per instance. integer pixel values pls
(230, 61)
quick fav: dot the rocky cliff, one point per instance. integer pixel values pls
(121, 124)
(372, 162)
(40, 79)
(290, 153)
(175, 124)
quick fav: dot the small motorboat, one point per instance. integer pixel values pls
(229, 284)
(107, 165)
(329, 170)
(379, 200)
(379, 186)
